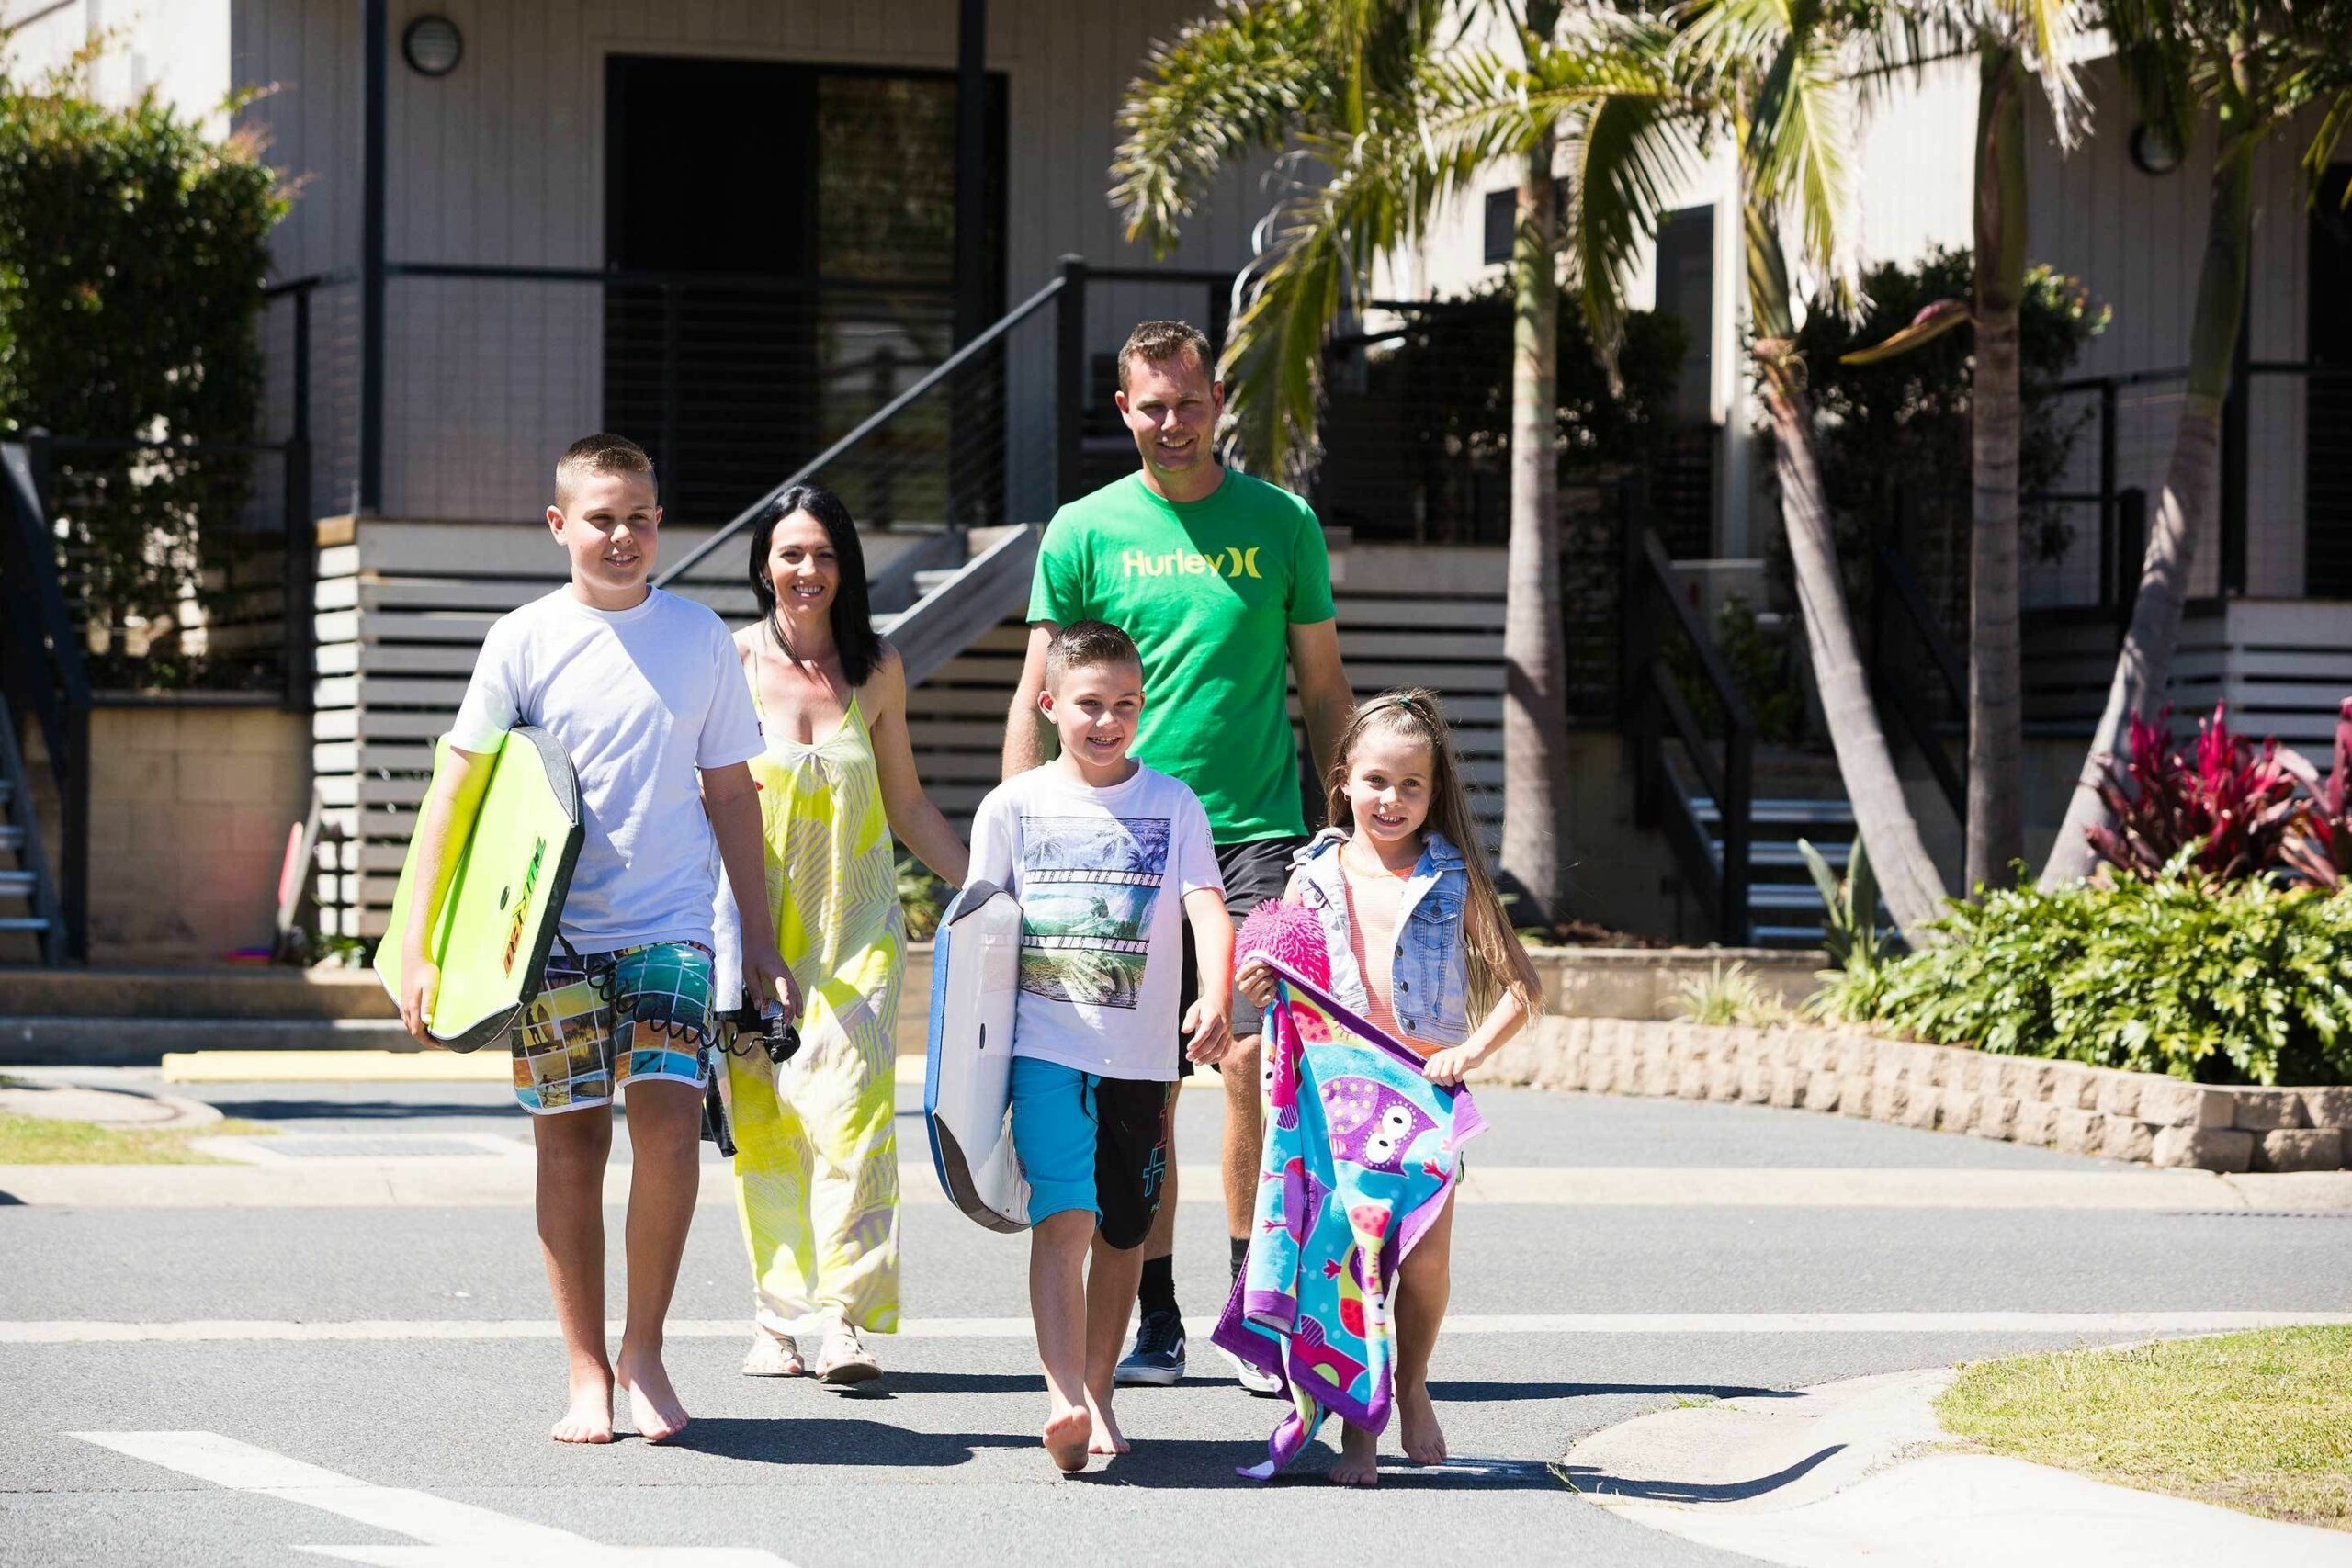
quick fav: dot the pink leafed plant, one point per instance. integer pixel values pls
(2234, 800)
(2319, 849)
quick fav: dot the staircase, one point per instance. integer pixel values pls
(42, 916)
(1784, 908)
(30, 928)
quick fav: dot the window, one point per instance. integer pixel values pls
(1502, 215)
(1502, 219)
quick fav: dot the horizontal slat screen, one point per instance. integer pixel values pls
(401, 619)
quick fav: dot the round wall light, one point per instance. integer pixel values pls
(2152, 149)
(433, 46)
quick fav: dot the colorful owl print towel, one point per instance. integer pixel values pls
(1360, 1154)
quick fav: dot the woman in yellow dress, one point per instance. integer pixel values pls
(817, 1166)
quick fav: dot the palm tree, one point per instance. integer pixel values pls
(2254, 64)
(2013, 40)
(1779, 72)
(1393, 119)
(1384, 112)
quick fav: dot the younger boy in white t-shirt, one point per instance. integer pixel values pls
(1101, 852)
(644, 692)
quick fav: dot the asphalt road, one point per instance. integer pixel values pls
(942, 1465)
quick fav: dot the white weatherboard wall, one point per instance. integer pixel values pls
(2137, 240)
(179, 48)
(502, 162)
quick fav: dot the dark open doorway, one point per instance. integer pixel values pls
(785, 237)
(2327, 403)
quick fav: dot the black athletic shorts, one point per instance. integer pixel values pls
(1254, 872)
(1130, 1156)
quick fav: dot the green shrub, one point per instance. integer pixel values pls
(2222, 983)
(133, 249)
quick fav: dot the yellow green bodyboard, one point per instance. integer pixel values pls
(505, 896)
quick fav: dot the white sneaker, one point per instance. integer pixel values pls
(1264, 1384)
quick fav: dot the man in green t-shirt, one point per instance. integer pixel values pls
(1222, 581)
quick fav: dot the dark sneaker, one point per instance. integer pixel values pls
(1159, 1354)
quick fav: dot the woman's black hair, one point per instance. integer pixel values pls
(859, 645)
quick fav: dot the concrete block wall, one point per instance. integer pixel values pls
(189, 813)
(2143, 1117)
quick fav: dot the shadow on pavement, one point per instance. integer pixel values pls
(836, 1441)
(960, 1382)
(1587, 1479)
(1199, 1464)
(1459, 1392)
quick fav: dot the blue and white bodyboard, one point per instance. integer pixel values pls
(968, 1081)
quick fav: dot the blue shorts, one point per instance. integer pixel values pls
(1094, 1143)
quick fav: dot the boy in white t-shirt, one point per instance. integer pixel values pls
(1107, 858)
(644, 692)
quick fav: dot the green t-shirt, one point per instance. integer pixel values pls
(1209, 591)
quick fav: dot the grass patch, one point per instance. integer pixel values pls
(38, 1140)
(2260, 1422)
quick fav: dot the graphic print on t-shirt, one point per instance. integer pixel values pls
(1088, 884)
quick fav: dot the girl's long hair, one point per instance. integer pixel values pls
(1497, 962)
(851, 614)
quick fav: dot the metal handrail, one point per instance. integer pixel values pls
(746, 282)
(1651, 693)
(55, 679)
(865, 427)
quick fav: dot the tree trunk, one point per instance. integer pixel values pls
(2144, 666)
(1907, 876)
(1995, 833)
(1535, 665)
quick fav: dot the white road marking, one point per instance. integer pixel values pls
(428, 1180)
(455, 1534)
(87, 1331)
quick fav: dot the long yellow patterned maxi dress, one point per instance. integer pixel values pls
(817, 1164)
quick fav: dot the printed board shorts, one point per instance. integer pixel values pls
(578, 1042)
(1090, 1143)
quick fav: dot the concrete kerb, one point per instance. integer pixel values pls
(2143, 1118)
(1861, 1471)
(133, 1109)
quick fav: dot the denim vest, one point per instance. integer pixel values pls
(1431, 979)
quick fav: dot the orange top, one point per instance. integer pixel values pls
(1375, 902)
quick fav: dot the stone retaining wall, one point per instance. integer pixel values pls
(2062, 1105)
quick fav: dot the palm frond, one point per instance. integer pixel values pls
(2051, 31)
(1375, 192)
(1800, 144)
(1625, 154)
(1224, 87)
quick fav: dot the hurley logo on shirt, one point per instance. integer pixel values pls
(1233, 563)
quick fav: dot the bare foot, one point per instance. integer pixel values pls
(652, 1402)
(1417, 1423)
(1066, 1437)
(1107, 1438)
(1359, 1459)
(589, 1416)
